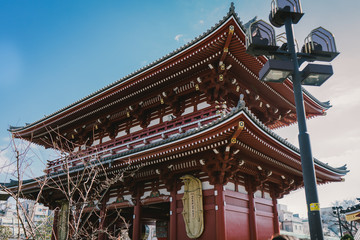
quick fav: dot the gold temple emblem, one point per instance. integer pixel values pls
(193, 212)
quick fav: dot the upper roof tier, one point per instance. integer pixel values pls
(214, 66)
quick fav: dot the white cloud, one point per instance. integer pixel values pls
(5, 162)
(201, 22)
(177, 37)
(345, 190)
(32, 159)
(6, 139)
(348, 98)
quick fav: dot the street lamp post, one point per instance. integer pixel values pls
(285, 61)
(337, 210)
(304, 143)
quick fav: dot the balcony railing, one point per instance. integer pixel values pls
(137, 139)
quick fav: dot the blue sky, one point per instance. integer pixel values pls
(53, 53)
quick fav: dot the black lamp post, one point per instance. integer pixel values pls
(285, 61)
(336, 211)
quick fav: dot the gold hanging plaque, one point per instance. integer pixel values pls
(352, 216)
(193, 206)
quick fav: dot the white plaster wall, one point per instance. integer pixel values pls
(203, 105)
(230, 186)
(206, 185)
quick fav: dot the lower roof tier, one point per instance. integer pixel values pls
(234, 143)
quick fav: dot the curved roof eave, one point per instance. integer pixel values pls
(325, 105)
(341, 171)
(234, 113)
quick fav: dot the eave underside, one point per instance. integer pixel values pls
(214, 151)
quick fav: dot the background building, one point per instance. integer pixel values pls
(9, 219)
(292, 224)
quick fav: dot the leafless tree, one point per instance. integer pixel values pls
(332, 220)
(80, 180)
(19, 166)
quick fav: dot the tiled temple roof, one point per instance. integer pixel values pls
(231, 13)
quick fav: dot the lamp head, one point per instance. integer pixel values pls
(316, 74)
(276, 70)
(282, 9)
(320, 44)
(261, 39)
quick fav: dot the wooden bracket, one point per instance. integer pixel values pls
(227, 43)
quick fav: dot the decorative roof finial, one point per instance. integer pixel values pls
(232, 8)
(241, 102)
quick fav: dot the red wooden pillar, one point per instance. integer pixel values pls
(252, 213)
(54, 234)
(136, 219)
(173, 214)
(220, 212)
(101, 235)
(276, 216)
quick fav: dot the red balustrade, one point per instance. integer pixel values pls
(137, 139)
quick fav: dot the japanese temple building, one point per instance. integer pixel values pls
(197, 125)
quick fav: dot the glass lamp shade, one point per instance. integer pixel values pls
(316, 74)
(276, 71)
(320, 44)
(282, 9)
(261, 39)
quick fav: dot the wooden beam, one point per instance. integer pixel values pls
(227, 43)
